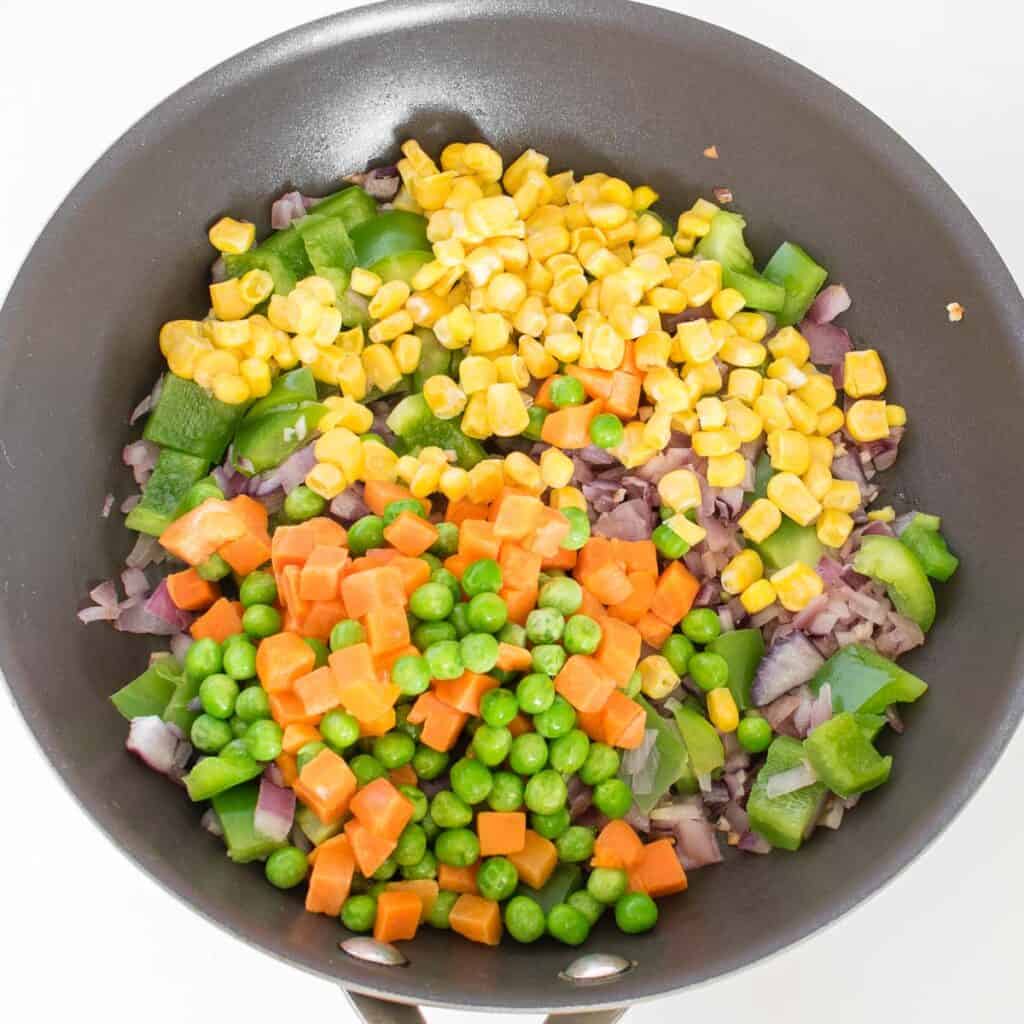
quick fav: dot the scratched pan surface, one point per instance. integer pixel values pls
(606, 86)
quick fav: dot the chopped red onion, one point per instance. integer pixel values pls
(275, 810)
(800, 777)
(635, 817)
(751, 842)
(670, 459)
(108, 505)
(146, 405)
(104, 594)
(832, 813)
(180, 643)
(146, 550)
(382, 183)
(158, 744)
(211, 823)
(285, 209)
(129, 503)
(134, 582)
(632, 520)
(696, 840)
(829, 344)
(787, 665)
(350, 504)
(141, 456)
(98, 613)
(831, 301)
(161, 606)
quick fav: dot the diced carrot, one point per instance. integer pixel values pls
(459, 511)
(290, 622)
(519, 725)
(617, 846)
(507, 491)
(596, 553)
(550, 532)
(288, 581)
(619, 649)
(477, 540)
(320, 577)
(321, 617)
(675, 593)
(636, 555)
(624, 397)
(290, 545)
(441, 723)
(610, 584)
(281, 659)
(519, 603)
(318, 690)
(536, 860)
(197, 534)
(286, 709)
(372, 559)
(628, 364)
(658, 871)
(375, 588)
(378, 494)
(222, 619)
(190, 592)
(512, 658)
(563, 559)
(378, 726)
(654, 631)
(296, 736)
(425, 890)
(387, 628)
(411, 534)
(456, 564)
(369, 849)
(620, 713)
(415, 572)
(368, 699)
(385, 661)
(382, 809)
(455, 879)
(633, 736)
(501, 832)
(584, 683)
(639, 602)
(288, 767)
(519, 567)
(543, 397)
(253, 512)
(403, 776)
(596, 383)
(569, 427)
(326, 532)
(326, 785)
(592, 723)
(353, 662)
(466, 692)
(591, 606)
(331, 877)
(476, 919)
(519, 515)
(253, 548)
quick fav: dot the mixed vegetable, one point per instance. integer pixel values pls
(517, 547)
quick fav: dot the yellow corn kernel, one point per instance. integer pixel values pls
(512, 370)
(426, 480)
(743, 571)
(818, 393)
(340, 447)
(530, 318)
(352, 377)
(548, 241)
(505, 293)
(231, 334)
(683, 243)
(284, 353)
(256, 286)
(327, 364)
(556, 468)
(657, 677)
(428, 275)
(667, 300)
(512, 252)
(389, 298)
(666, 389)
(704, 379)
(175, 331)
(231, 388)
(406, 467)
(652, 349)
(567, 497)
(643, 198)
(773, 413)
(364, 282)
(454, 483)
(727, 303)
(834, 527)
(615, 190)
(866, 420)
(692, 224)
(863, 373)
(352, 414)
(788, 451)
(515, 173)
(431, 455)
(628, 322)
(232, 236)
(789, 343)
(263, 338)
(790, 494)
(722, 709)
(305, 348)
(801, 415)
(476, 373)
(606, 215)
(658, 429)
(788, 372)
(696, 342)
(256, 375)
(817, 479)
(752, 326)
(843, 495)
(451, 157)
(445, 398)
(483, 161)
(745, 384)
(830, 421)
(715, 442)
(433, 190)
(492, 215)
(648, 229)
(521, 471)
(391, 327)
(490, 333)
(895, 415)
(758, 596)
(419, 162)
(655, 269)
(686, 529)
(711, 413)
(560, 185)
(533, 193)
(379, 462)
(885, 514)
(326, 480)
(598, 260)
(565, 295)
(406, 349)
(328, 328)
(463, 192)
(538, 361)
(822, 450)
(506, 412)
(705, 209)
(704, 283)
(212, 364)
(739, 351)
(607, 348)
(381, 368)
(660, 246)
(227, 300)
(796, 586)
(744, 421)
(727, 470)
(486, 481)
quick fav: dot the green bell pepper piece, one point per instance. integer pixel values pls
(283, 255)
(266, 441)
(177, 710)
(235, 809)
(844, 759)
(354, 309)
(791, 542)
(165, 490)
(671, 754)
(388, 234)
(785, 821)
(213, 569)
(434, 358)
(862, 680)
(703, 744)
(564, 881)
(214, 775)
(327, 243)
(289, 389)
(149, 693)
(743, 650)
(189, 420)
(413, 421)
(870, 725)
(887, 560)
(402, 266)
(312, 827)
(725, 243)
(922, 536)
(351, 206)
(802, 278)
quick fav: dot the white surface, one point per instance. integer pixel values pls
(89, 933)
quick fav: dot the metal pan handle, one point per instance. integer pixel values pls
(378, 1011)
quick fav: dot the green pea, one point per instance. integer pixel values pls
(417, 798)
(701, 625)
(263, 740)
(302, 504)
(491, 745)
(411, 846)
(567, 391)
(613, 798)
(497, 879)
(575, 844)
(261, 620)
(557, 721)
(579, 529)
(426, 634)
(590, 908)
(535, 693)
(450, 811)
(347, 633)
(507, 792)
(551, 826)
(665, 512)
(447, 542)
(366, 768)
(563, 594)
(444, 659)
(709, 670)
(568, 752)
(411, 674)
(394, 749)
(471, 781)
(339, 729)
(607, 431)
(498, 708)
(479, 652)
(754, 734)
(459, 618)
(433, 561)
(512, 633)
(524, 918)
(448, 579)
(386, 871)
(668, 542)
(544, 626)
(607, 885)
(602, 763)
(395, 508)
(365, 534)
(568, 925)
(238, 726)
(441, 911)
(486, 613)
(359, 913)
(545, 792)
(678, 650)
(209, 734)
(636, 912)
(217, 695)
(286, 867)
(213, 569)
(371, 436)
(458, 847)
(582, 635)
(258, 588)
(204, 658)
(319, 649)
(200, 491)
(634, 684)
(482, 577)
(548, 659)
(529, 754)
(431, 602)
(307, 752)
(240, 660)
(428, 763)
(537, 416)
(426, 867)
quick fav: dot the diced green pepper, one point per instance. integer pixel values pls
(189, 420)
(213, 569)
(703, 744)
(149, 693)
(862, 680)
(725, 243)
(312, 827)
(177, 710)
(922, 536)
(785, 821)
(434, 358)
(266, 441)
(164, 493)
(289, 389)
(351, 206)
(790, 543)
(328, 245)
(870, 725)
(413, 421)
(887, 560)
(402, 266)
(214, 775)
(844, 758)
(672, 761)
(802, 278)
(564, 881)
(388, 234)
(235, 809)
(743, 650)
(283, 252)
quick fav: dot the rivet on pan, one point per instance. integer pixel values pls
(373, 952)
(596, 967)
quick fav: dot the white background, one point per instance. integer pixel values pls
(89, 934)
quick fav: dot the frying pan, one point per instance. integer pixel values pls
(612, 86)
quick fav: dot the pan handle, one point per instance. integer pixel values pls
(378, 1011)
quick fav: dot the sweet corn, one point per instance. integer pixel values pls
(607, 348)
(232, 236)
(751, 326)
(227, 300)
(742, 571)
(278, 313)
(704, 379)
(406, 467)
(680, 490)
(327, 364)
(822, 450)
(658, 429)
(426, 480)
(213, 364)
(389, 298)
(326, 480)
(796, 586)
(556, 468)
(445, 398)
(512, 370)
(351, 376)
(818, 393)
(455, 328)
(830, 421)
(340, 447)
(486, 481)
(715, 442)
(506, 412)
(722, 709)
(790, 344)
(800, 414)
(382, 369)
(727, 303)
(745, 384)
(565, 295)
(406, 349)
(565, 348)
(231, 388)
(788, 451)
(538, 361)
(454, 483)
(686, 529)
(711, 413)
(490, 333)
(834, 527)
(505, 293)
(788, 372)
(866, 420)
(352, 340)
(667, 300)
(740, 351)
(696, 342)
(256, 375)
(775, 388)
(429, 274)
(483, 161)
(886, 514)
(351, 414)
(284, 354)
(379, 462)
(306, 349)
(843, 495)
(648, 229)
(530, 318)
(758, 596)
(747, 424)
(628, 322)
(652, 349)
(790, 494)
(567, 497)
(521, 471)
(817, 479)
(419, 163)
(692, 224)
(895, 415)
(232, 334)
(863, 373)
(477, 373)
(727, 470)
(657, 677)
(666, 389)
(773, 413)
(364, 282)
